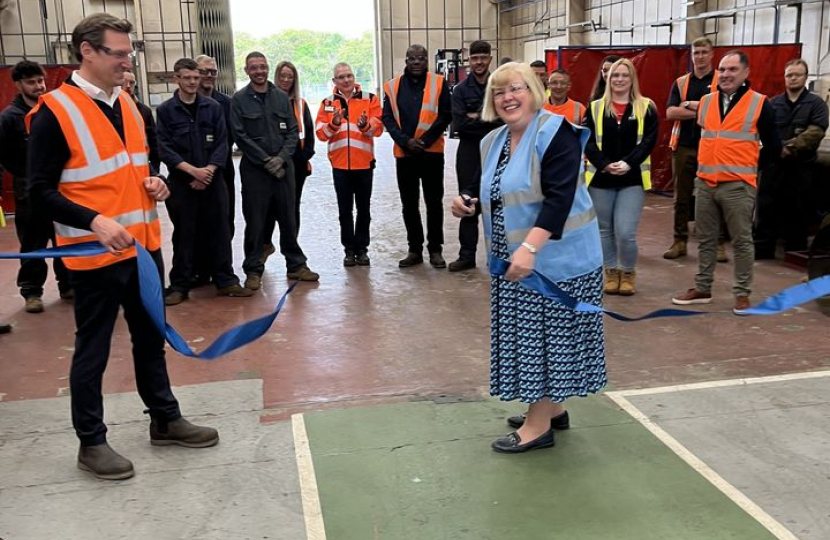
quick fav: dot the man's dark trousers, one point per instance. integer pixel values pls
(425, 169)
(98, 295)
(468, 172)
(34, 231)
(784, 209)
(198, 215)
(354, 188)
(261, 190)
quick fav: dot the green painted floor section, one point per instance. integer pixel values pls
(425, 471)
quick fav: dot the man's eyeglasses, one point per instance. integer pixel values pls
(120, 55)
(513, 89)
(344, 77)
(208, 72)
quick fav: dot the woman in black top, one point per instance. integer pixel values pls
(623, 127)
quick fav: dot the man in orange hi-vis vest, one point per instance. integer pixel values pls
(735, 122)
(558, 102)
(349, 120)
(682, 107)
(89, 167)
(416, 111)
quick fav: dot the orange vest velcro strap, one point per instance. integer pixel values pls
(104, 173)
(730, 147)
(429, 109)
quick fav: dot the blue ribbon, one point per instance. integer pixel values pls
(151, 296)
(778, 303)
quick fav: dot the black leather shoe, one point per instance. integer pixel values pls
(437, 260)
(563, 421)
(512, 443)
(5, 328)
(411, 259)
(362, 259)
(348, 260)
(462, 264)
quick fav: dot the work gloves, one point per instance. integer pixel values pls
(275, 166)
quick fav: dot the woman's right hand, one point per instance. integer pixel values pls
(463, 206)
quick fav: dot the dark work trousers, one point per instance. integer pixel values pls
(300, 175)
(783, 208)
(425, 169)
(198, 215)
(203, 250)
(468, 172)
(229, 175)
(353, 188)
(35, 231)
(260, 191)
(98, 295)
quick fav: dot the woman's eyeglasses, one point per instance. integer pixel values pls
(513, 89)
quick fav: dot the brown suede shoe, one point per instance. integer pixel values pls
(104, 462)
(253, 282)
(34, 304)
(303, 273)
(182, 433)
(235, 290)
(677, 249)
(741, 305)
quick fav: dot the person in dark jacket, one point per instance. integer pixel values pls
(33, 226)
(416, 111)
(193, 143)
(288, 80)
(147, 116)
(265, 129)
(467, 103)
(785, 204)
(623, 126)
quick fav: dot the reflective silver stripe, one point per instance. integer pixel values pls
(518, 236)
(392, 94)
(732, 135)
(735, 169)
(131, 105)
(576, 119)
(432, 104)
(336, 145)
(140, 159)
(96, 169)
(517, 198)
(704, 108)
(486, 144)
(125, 220)
(485, 208)
(645, 166)
(682, 81)
(750, 113)
(424, 126)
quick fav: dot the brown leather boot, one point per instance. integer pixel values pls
(104, 462)
(182, 433)
(612, 281)
(678, 249)
(627, 283)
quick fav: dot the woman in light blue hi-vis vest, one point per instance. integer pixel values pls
(538, 217)
(623, 127)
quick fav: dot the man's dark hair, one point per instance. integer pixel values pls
(416, 47)
(91, 29)
(254, 54)
(26, 69)
(742, 57)
(185, 63)
(539, 63)
(480, 47)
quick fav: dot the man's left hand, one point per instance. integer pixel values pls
(156, 188)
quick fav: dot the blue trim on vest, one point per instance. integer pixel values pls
(579, 250)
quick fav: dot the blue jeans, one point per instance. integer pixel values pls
(618, 213)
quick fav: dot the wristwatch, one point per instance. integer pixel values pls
(685, 104)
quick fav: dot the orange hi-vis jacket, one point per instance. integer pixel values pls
(729, 148)
(682, 83)
(429, 109)
(103, 173)
(350, 147)
(573, 111)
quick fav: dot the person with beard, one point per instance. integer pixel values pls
(88, 164)
(467, 103)
(349, 120)
(193, 144)
(786, 194)
(147, 116)
(33, 227)
(265, 129)
(416, 112)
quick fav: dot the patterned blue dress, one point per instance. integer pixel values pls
(538, 347)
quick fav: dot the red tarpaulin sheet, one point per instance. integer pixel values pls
(55, 75)
(657, 68)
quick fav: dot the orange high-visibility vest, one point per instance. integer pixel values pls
(573, 111)
(299, 107)
(429, 109)
(103, 173)
(350, 148)
(729, 148)
(683, 86)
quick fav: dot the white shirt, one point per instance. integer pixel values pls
(94, 92)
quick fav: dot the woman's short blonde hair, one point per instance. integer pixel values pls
(502, 77)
